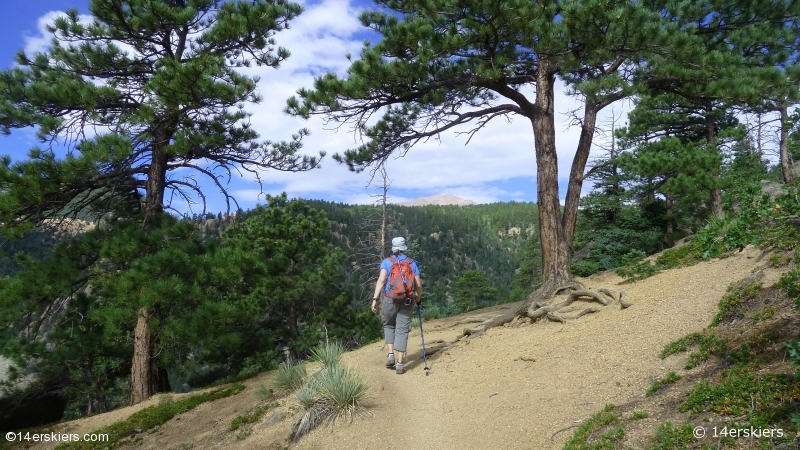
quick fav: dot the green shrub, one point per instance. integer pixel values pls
(658, 384)
(608, 440)
(733, 299)
(637, 271)
(681, 345)
(685, 255)
(670, 437)
(789, 283)
(793, 348)
(765, 398)
(252, 417)
(306, 396)
(707, 345)
(332, 393)
(586, 267)
(430, 313)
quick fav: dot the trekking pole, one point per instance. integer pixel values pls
(424, 355)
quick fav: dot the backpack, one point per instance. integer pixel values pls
(401, 280)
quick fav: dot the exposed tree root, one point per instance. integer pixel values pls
(466, 321)
(624, 303)
(608, 293)
(536, 307)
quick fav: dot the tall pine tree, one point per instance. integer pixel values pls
(443, 64)
(157, 81)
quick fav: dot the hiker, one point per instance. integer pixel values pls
(397, 300)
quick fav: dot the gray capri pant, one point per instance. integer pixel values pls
(396, 322)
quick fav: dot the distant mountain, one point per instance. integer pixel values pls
(441, 199)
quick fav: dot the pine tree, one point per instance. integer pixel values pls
(443, 64)
(678, 138)
(158, 79)
(474, 291)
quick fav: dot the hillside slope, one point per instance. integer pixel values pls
(512, 388)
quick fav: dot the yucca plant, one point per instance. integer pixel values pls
(343, 387)
(263, 392)
(333, 392)
(290, 377)
(329, 353)
(306, 395)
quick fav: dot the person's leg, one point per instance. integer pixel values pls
(389, 310)
(402, 328)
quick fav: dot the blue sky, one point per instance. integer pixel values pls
(497, 165)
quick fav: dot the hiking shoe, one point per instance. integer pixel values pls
(399, 368)
(390, 360)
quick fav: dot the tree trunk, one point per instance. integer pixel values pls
(573, 198)
(555, 247)
(163, 380)
(670, 216)
(711, 140)
(141, 388)
(786, 159)
(142, 364)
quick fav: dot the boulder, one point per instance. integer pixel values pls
(772, 189)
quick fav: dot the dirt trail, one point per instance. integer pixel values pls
(512, 388)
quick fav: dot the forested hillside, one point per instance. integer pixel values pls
(447, 241)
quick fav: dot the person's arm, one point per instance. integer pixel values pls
(418, 282)
(378, 288)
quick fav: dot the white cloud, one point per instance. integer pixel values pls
(41, 42)
(319, 40)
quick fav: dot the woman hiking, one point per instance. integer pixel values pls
(403, 288)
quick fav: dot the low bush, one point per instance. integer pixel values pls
(671, 377)
(581, 438)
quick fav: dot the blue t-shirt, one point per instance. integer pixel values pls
(387, 266)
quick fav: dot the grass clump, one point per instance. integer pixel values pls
(669, 437)
(608, 440)
(765, 399)
(290, 377)
(658, 384)
(730, 307)
(150, 417)
(681, 345)
(707, 345)
(639, 415)
(252, 417)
